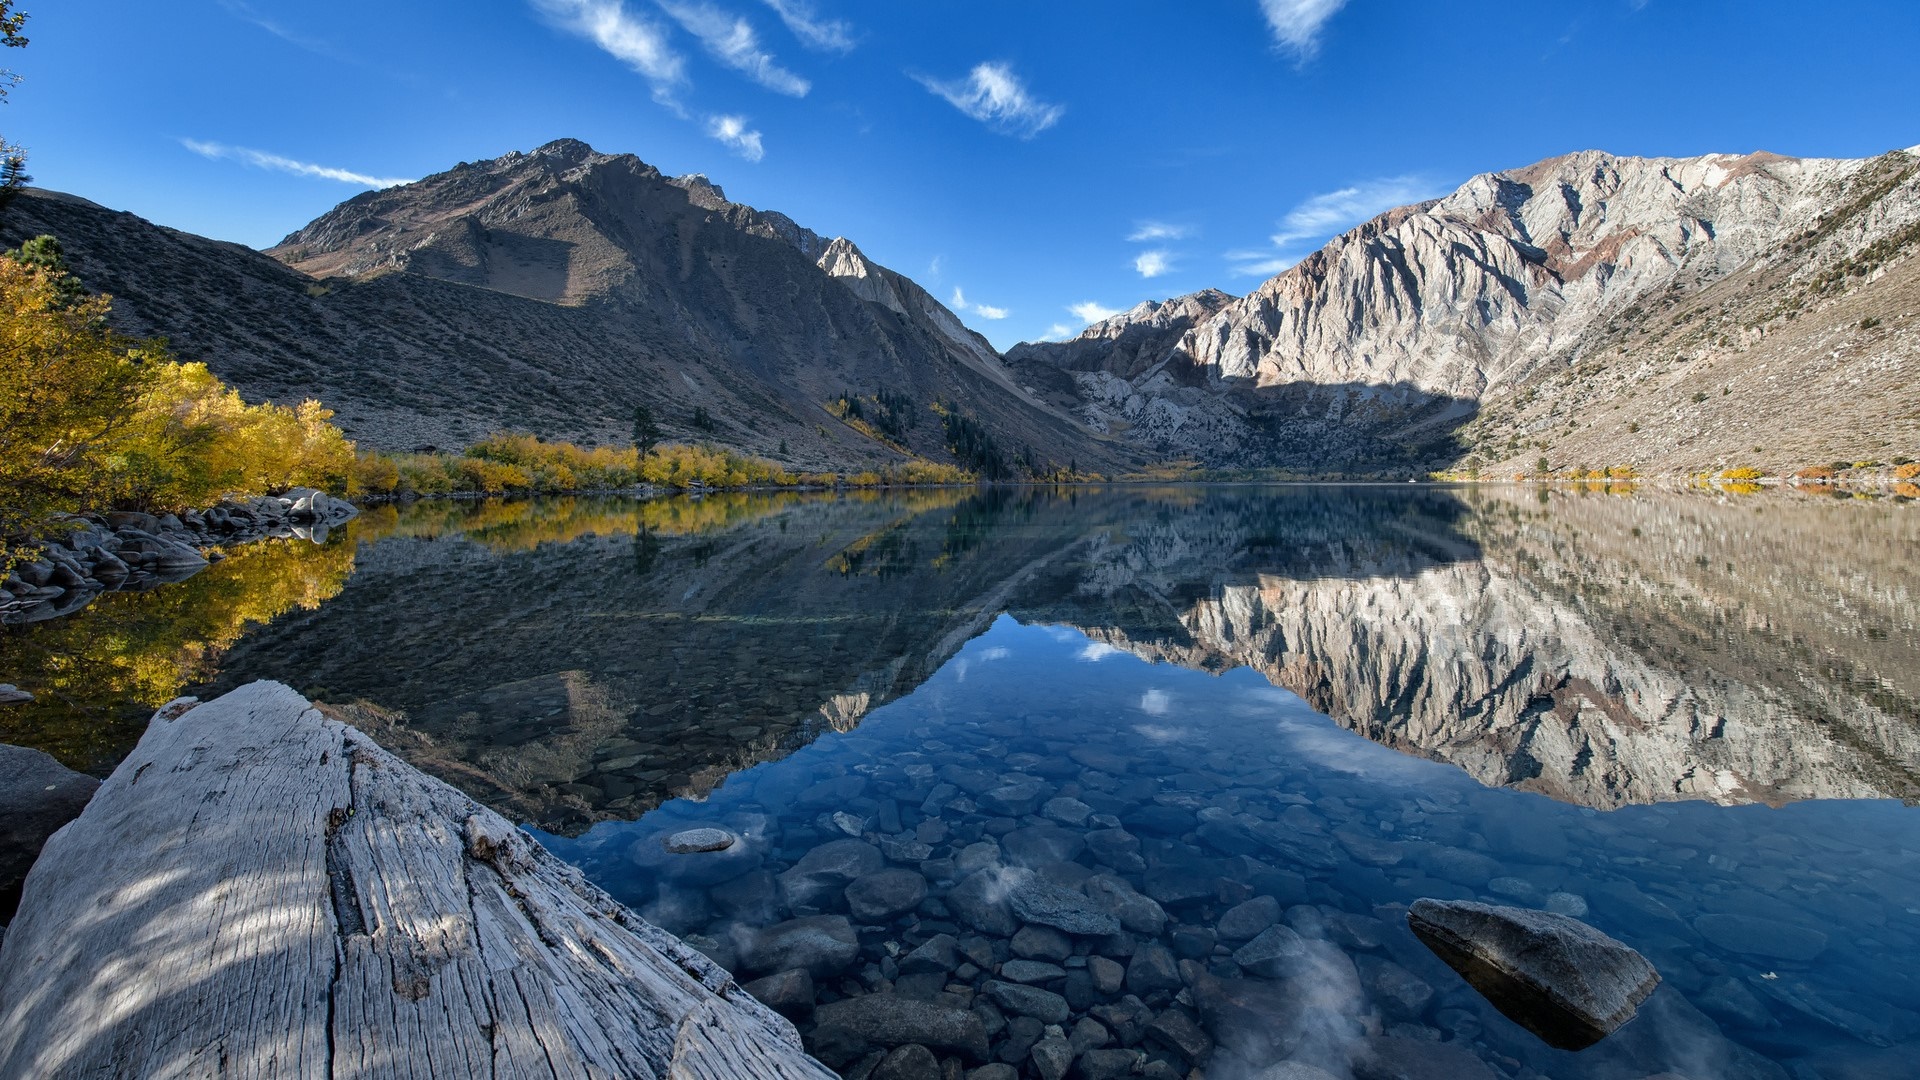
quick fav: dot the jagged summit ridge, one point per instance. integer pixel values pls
(1407, 327)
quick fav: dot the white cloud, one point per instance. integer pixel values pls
(1320, 217)
(827, 35)
(1057, 332)
(933, 266)
(992, 94)
(1153, 263)
(1097, 651)
(1088, 311)
(1158, 230)
(260, 159)
(733, 131)
(985, 311)
(1155, 702)
(639, 43)
(731, 40)
(1296, 23)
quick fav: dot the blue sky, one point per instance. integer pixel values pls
(1050, 161)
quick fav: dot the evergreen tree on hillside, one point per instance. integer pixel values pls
(646, 430)
(45, 253)
(13, 159)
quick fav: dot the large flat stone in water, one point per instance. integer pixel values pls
(1554, 975)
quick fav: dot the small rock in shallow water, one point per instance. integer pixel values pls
(909, 1062)
(1031, 972)
(1557, 977)
(824, 944)
(789, 993)
(1755, 936)
(1042, 1005)
(1243, 922)
(1035, 901)
(879, 896)
(692, 841)
(891, 1020)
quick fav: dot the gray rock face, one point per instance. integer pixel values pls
(37, 796)
(1402, 324)
(891, 1020)
(1556, 976)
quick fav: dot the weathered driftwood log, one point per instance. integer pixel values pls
(260, 891)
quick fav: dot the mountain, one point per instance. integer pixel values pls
(1671, 313)
(555, 291)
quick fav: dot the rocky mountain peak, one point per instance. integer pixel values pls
(1409, 326)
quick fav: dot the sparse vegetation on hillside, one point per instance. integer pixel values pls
(520, 464)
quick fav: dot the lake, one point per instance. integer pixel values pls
(1690, 718)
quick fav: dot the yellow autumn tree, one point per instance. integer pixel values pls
(94, 420)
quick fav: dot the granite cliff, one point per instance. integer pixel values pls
(1670, 313)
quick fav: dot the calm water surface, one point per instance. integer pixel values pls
(1691, 719)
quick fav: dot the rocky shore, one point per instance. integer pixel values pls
(131, 551)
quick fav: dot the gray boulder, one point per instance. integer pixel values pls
(1554, 975)
(37, 796)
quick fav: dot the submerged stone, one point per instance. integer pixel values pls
(693, 841)
(1554, 975)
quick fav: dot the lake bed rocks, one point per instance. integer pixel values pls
(1232, 913)
(93, 553)
(1558, 977)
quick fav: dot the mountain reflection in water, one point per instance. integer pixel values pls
(1153, 689)
(574, 660)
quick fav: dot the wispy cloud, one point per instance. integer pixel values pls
(1148, 231)
(733, 131)
(1155, 702)
(731, 40)
(1097, 651)
(933, 267)
(1057, 332)
(239, 9)
(827, 35)
(1319, 217)
(1151, 264)
(992, 94)
(260, 159)
(1088, 311)
(985, 311)
(638, 42)
(1296, 23)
